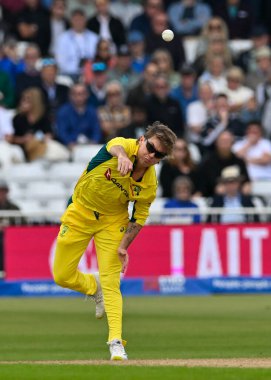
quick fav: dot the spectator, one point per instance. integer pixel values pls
(163, 107)
(238, 16)
(256, 151)
(179, 164)
(125, 10)
(215, 74)
(30, 77)
(263, 96)
(217, 46)
(138, 95)
(6, 91)
(263, 68)
(114, 115)
(6, 205)
(188, 16)
(199, 111)
(250, 111)
(237, 93)
(142, 22)
(221, 119)
(211, 167)
(232, 199)
(182, 198)
(103, 54)
(159, 23)
(123, 72)
(33, 25)
(55, 94)
(32, 129)
(75, 45)
(10, 63)
(214, 29)
(164, 62)
(58, 23)
(187, 91)
(260, 38)
(77, 122)
(106, 25)
(140, 58)
(86, 6)
(97, 93)
(138, 123)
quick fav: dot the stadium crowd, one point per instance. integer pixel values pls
(82, 72)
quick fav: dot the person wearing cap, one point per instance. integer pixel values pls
(123, 72)
(97, 93)
(263, 68)
(187, 91)
(232, 198)
(140, 58)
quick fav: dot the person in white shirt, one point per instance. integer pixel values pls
(58, 23)
(199, 111)
(75, 45)
(215, 74)
(256, 151)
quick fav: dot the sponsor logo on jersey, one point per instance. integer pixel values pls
(107, 174)
(119, 185)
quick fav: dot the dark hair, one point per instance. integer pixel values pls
(78, 11)
(255, 122)
(164, 134)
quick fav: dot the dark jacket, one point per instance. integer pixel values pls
(246, 201)
(115, 26)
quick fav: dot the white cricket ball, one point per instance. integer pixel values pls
(167, 35)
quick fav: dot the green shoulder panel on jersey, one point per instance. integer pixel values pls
(102, 156)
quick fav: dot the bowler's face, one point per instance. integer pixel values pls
(144, 157)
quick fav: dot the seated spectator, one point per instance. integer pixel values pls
(214, 29)
(180, 164)
(55, 94)
(263, 68)
(97, 93)
(33, 25)
(263, 97)
(142, 22)
(75, 45)
(33, 130)
(125, 10)
(103, 54)
(164, 62)
(199, 111)
(76, 121)
(30, 76)
(232, 199)
(188, 16)
(163, 107)
(10, 63)
(215, 74)
(123, 72)
(182, 198)
(237, 93)
(220, 120)
(106, 25)
(260, 38)
(136, 43)
(187, 91)
(238, 16)
(211, 167)
(6, 91)
(255, 150)
(250, 111)
(114, 115)
(138, 123)
(159, 23)
(217, 46)
(6, 205)
(138, 95)
(58, 23)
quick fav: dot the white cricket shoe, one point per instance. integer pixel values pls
(117, 350)
(98, 298)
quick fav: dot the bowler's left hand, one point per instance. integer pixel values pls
(124, 258)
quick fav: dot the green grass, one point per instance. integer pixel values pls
(155, 327)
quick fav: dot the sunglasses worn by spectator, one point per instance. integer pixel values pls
(151, 149)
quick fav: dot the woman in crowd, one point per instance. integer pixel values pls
(164, 62)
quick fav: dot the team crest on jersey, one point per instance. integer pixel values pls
(107, 174)
(64, 230)
(136, 189)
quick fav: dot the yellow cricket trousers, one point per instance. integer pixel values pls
(78, 226)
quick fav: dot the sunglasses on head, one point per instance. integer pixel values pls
(151, 149)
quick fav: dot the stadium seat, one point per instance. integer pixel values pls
(262, 187)
(25, 172)
(44, 190)
(84, 153)
(67, 172)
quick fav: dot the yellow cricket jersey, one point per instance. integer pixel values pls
(103, 189)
